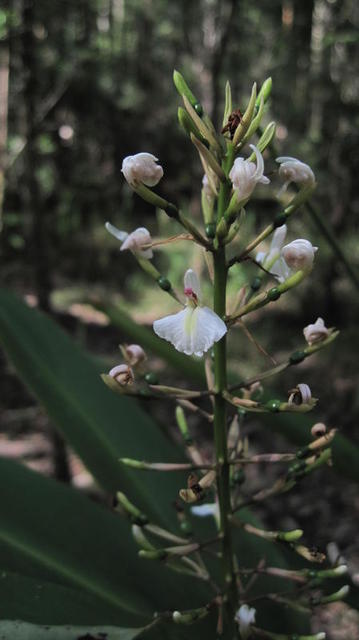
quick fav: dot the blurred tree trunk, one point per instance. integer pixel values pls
(225, 26)
(32, 200)
(34, 205)
(4, 96)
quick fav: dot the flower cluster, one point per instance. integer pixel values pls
(213, 487)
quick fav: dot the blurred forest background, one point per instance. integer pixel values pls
(85, 83)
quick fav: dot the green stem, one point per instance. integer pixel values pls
(220, 427)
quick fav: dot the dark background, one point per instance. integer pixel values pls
(83, 84)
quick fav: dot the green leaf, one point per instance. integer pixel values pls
(51, 532)
(100, 425)
(10, 629)
(40, 601)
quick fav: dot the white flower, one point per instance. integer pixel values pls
(134, 354)
(293, 170)
(142, 168)
(194, 329)
(315, 332)
(245, 616)
(245, 175)
(283, 262)
(133, 241)
(123, 374)
(299, 254)
(268, 259)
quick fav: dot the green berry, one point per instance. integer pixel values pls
(186, 528)
(256, 284)
(198, 109)
(151, 378)
(302, 453)
(164, 283)
(296, 357)
(210, 230)
(273, 405)
(279, 219)
(273, 294)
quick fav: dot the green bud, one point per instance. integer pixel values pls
(290, 536)
(338, 595)
(210, 230)
(164, 283)
(151, 378)
(341, 570)
(265, 91)
(297, 357)
(256, 284)
(188, 125)
(266, 138)
(273, 294)
(273, 405)
(135, 514)
(184, 90)
(182, 424)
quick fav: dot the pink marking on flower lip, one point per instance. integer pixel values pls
(190, 294)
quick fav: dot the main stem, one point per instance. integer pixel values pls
(220, 422)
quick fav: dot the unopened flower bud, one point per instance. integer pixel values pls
(300, 395)
(319, 429)
(123, 374)
(299, 254)
(142, 168)
(293, 170)
(315, 332)
(134, 354)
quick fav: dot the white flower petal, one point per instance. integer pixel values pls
(120, 235)
(281, 270)
(207, 328)
(172, 328)
(192, 331)
(260, 164)
(278, 238)
(203, 510)
(136, 240)
(191, 281)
